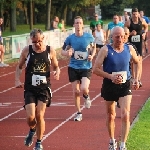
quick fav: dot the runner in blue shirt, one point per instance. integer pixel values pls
(111, 25)
(81, 50)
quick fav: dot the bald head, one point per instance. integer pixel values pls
(117, 30)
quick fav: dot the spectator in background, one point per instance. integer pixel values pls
(61, 25)
(94, 22)
(2, 51)
(54, 23)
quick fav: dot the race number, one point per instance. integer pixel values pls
(80, 55)
(38, 80)
(135, 38)
(123, 75)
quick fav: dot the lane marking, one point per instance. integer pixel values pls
(61, 124)
(23, 108)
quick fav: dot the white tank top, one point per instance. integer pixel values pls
(99, 37)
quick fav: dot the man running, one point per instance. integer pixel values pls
(81, 50)
(136, 35)
(111, 25)
(37, 92)
(116, 86)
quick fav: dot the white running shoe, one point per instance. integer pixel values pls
(121, 148)
(78, 117)
(87, 102)
(113, 146)
(3, 65)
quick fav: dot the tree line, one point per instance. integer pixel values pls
(36, 11)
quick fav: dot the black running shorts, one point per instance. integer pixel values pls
(32, 96)
(112, 92)
(77, 74)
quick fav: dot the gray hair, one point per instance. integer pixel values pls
(114, 29)
(34, 32)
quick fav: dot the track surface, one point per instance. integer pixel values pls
(62, 133)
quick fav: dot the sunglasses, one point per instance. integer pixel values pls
(126, 33)
(95, 16)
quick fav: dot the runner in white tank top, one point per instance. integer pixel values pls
(100, 37)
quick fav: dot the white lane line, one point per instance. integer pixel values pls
(23, 108)
(61, 124)
(23, 69)
(11, 114)
(7, 89)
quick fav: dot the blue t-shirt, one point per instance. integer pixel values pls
(146, 19)
(80, 45)
(115, 62)
(112, 25)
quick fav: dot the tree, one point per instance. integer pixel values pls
(48, 12)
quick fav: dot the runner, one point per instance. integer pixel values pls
(116, 86)
(78, 46)
(135, 27)
(37, 92)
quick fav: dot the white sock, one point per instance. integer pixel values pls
(112, 140)
(123, 144)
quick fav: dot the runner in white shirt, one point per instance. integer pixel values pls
(100, 37)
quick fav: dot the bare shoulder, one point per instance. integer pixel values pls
(52, 52)
(25, 51)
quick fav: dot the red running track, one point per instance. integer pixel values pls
(62, 133)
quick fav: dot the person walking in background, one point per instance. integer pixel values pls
(111, 25)
(81, 50)
(2, 50)
(54, 23)
(116, 85)
(136, 35)
(37, 92)
(94, 22)
(100, 37)
(61, 25)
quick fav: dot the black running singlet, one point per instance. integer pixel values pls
(136, 39)
(37, 71)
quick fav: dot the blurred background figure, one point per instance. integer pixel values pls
(54, 23)
(61, 25)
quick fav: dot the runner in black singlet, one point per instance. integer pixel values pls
(136, 35)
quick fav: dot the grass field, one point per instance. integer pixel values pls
(139, 136)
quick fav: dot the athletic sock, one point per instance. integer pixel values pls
(112, 140)
(85, 96)
(33, 130)
(123, 145)
(38, 141)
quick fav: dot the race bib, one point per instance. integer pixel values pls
(38, 80)
(123, 75)
(135, 38)
(80, 55)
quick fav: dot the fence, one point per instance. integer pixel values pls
(13, 45)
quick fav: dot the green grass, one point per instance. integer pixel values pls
(22, 29)
(139, 136)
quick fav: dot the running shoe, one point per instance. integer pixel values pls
(3, 65)
(78, 117)
(87, 102)
(140, 84)
(113, 146)
(121, 148)
(38, 146)
(29, 139)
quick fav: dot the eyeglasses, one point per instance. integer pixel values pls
(35, 42)
(117, 37)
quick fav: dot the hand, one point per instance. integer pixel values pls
(133, 33)
(135, 84)
(143, 36)
(18, 84)
(90, 57)
(117, 79)
(56, 75)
